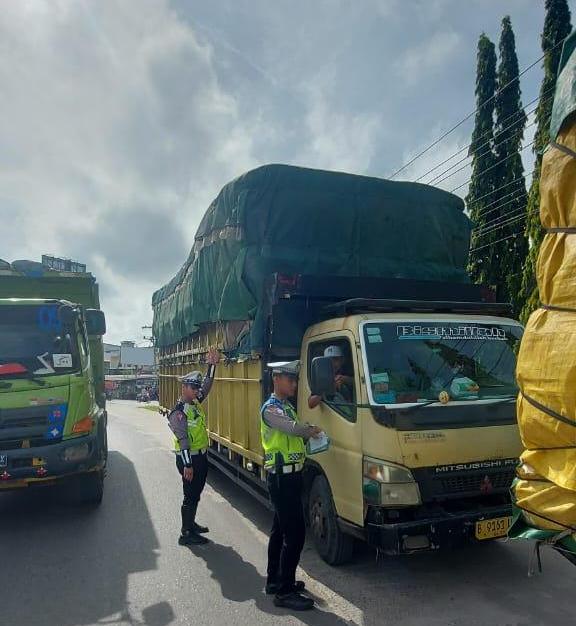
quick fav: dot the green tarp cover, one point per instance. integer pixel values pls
(565, 95)
(280, 218)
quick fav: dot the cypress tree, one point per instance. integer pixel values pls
(508, 215)
(482, 182)
(556, 28)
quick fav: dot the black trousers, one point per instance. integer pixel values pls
(288, 530)
(192, 489)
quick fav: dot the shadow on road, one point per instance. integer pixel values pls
(240, 581)
(479, 584)
(69, 566)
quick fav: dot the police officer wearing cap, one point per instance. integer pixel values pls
(283, 440)
(187, 421)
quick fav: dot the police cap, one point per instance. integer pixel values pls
(288, 368)
(193, 379)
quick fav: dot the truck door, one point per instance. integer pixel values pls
(337, 415)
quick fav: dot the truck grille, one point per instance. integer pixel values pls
(471, 480)
(25, 427)
(477, 482)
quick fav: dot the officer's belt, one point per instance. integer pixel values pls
(289, 468)
(193, 452)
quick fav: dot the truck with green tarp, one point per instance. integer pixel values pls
(52, 402)
(288, 262)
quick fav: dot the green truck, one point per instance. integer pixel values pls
(52, 401)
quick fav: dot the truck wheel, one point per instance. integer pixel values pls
(88, 489)
(332, 544)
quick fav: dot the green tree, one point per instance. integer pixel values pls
(556, 28)
(507, 219)
(482, 182)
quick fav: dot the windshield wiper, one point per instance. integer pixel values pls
(407, 409)
(498, 399)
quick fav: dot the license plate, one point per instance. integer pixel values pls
(3, 460)
(493, 528)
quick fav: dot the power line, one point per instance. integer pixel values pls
(468, 146)
(491, 167)
(506, 195)
(517, 217)
(465, 119)
(469, 157)
(496, 208)
(492, 243)
(488, 168)
(501, 187)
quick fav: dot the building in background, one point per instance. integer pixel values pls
(130, 371)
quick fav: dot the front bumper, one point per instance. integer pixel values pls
(450, 531)
(46, 465)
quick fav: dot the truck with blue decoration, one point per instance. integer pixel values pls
(52, 400)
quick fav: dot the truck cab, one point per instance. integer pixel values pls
(52, 403)
(424, 440)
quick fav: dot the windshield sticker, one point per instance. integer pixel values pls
(48, 319)
(62, 360)
(437, 333)
(373, 330)
(380, 378)
(47, 369)
(374, 339)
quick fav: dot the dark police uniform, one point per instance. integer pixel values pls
(283, 441)
(188, 423)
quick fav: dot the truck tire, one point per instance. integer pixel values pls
(332, 544)
(88, 489)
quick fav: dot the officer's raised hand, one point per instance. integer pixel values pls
(213, 357)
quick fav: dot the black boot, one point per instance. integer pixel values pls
(294, 601)
(189, 536)
(201, 530)
(274, 588)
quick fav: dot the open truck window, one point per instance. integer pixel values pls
(414, 362)
(34, 341)
(344, 369)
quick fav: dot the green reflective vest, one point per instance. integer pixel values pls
(280, 448)
(196, 423)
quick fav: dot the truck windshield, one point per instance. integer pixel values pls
(417, 362)
(35, 342)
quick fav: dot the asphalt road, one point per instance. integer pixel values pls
(120, 564)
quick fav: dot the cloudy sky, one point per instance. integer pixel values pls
(121, 119)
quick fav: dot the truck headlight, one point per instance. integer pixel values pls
(76, 453)
(389, 485)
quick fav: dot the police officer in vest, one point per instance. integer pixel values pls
(188, 423)
(283, 440)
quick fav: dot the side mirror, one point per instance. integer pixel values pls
(322, 376)
(68, 314)
(95, 322)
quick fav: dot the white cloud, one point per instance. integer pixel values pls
(336, 139)
(428, 56)
(112, 118)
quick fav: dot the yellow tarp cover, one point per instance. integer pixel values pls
(545, 491)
